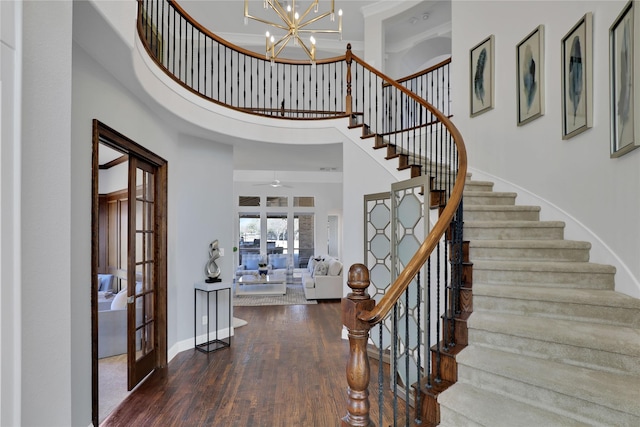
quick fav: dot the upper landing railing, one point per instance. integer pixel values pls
(394, 116)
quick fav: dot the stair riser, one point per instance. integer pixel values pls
(493, 199)
(513, 233)
(579, 356)
(472, 186)
(588, 412)
(505, 215)
(567, 279)
(527, 254)
(561, 310)
(454, 419)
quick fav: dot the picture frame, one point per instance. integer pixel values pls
(481, 76)
(577, 78)
(530, 76)
(624, 92)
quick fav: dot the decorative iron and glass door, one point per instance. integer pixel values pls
(396, 223)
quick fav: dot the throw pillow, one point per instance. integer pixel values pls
(320, 269)
(335, 268)
(120, 300)
(251, 262)
(105, 282)
(279, 262)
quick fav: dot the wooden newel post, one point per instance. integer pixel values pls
(349, 59)
(358, 364)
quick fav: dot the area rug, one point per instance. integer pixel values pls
(237, 323)
(294, 296)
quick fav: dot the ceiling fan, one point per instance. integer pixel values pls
(275, 183)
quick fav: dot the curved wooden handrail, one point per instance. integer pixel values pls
(401, 283)
(176, 9)
(420, 73)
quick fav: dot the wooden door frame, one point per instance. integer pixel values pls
(103, 134)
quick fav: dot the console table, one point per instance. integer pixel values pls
(216, 343)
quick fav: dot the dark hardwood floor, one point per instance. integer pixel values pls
(285, 368)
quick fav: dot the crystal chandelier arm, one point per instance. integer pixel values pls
(311, 21)
(314, 5)
(284, 40)
(306, 49)
(281, 12)
(273, 24)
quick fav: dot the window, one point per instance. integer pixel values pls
(275, 228)
(249, 226)
(277, 233)
(277, 201)
(249, 201)
(303, 202)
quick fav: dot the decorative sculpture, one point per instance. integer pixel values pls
(212, 270)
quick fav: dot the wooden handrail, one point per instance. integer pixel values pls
(382, 309)
(421, 73)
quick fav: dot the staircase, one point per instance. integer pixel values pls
(549, 341)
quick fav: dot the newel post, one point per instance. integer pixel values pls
(358, 364)
(349, 60)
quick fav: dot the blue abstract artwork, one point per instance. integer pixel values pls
(575, 75)
(481, 77)
(625, 78)
(478, 79)
(529, 77)
(577, 85)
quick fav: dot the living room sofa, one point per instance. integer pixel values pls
(112, 322)
(323, 278)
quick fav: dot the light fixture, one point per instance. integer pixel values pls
(295, 25)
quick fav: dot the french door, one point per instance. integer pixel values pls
(141, 271)
(145, 235)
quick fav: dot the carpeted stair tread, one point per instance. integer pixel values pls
(472, 197)
(607, 298)
(563, 244)
(562, 267)
(508, 230)
(610, 338)
(533, 250)
(586, 392)
(476, 407)
(585, 305)
(501, 212)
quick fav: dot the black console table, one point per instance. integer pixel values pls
(216, 343)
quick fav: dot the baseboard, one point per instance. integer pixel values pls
(189, 344)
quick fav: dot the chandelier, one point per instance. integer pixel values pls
(295, 25)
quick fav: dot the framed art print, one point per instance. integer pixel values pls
(482, 76)
(530, 76)
(624, 64)
(577, 80)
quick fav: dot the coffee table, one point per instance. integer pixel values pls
(262, 285)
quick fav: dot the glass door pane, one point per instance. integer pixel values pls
(142, 271)
(277, 233)
(249, 228)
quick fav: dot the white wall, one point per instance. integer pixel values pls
(52, 332)
(573, 180)
(362, 175)
(10, 107)
(201, 177)
(199, 182)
